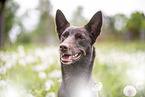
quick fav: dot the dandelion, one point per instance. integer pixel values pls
(52, 94)
(3, 70)
(22, 62)
(8, 65)
(140, 85)
(30, 59)
(40, 67)
(97, 87)
(21, 51)
(29, 95)
(50, 82)
(55, 74)
(2, 83)
(38, 52)
(51, 60)
(129, 91)
(42, 75)
(47, 86)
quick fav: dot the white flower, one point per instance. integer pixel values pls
(140, 85)
(3, 70)
(30, 59)
(42, 75)
(48, 84)
(55, 74)
(22, 62)
(21, 51)
(97, 87)
(30, 95)
(129, 91)
(39, 52)
(52, 94)
(2, 83)
(40, 67)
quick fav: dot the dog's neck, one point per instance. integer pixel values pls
(80, 73)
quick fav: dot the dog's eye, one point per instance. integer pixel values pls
(79, 36)
(62, 39)
(65, 35)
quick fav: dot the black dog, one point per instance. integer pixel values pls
(77, 55)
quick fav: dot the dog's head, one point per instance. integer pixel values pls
(75, 41)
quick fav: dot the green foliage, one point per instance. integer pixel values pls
(143, 23)
(10, 11)
(108, 26)
(24, 38)
(45, 27)
(135, 22)
(121, 27)
(78, 19)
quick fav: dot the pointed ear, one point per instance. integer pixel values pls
(94, 26)
(61, 22)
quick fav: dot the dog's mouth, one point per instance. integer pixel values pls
(70, 58)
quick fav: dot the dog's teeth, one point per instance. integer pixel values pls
(75, 55)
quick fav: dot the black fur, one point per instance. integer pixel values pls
(77, 75)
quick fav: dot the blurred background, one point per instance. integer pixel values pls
(29, 57)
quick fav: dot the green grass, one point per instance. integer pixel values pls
(116, 66)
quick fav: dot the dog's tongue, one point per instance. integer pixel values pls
(65, 57)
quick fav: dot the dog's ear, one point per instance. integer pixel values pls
(61, 22)
(94, 26)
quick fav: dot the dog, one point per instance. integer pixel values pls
(77, 55)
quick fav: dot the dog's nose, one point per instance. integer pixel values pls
(63, 48)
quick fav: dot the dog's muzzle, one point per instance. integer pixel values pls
(67, 57)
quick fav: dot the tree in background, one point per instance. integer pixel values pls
(77, 18)
(108, 30)
(10, 17)
(142, 32)
(2, 22)
(8, 10)
(135, 24)
(44, 32)
(114, 27)
(122, 28)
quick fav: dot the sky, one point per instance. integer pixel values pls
(108, 7)
(90, 7)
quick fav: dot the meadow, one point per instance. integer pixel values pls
(34, 71)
